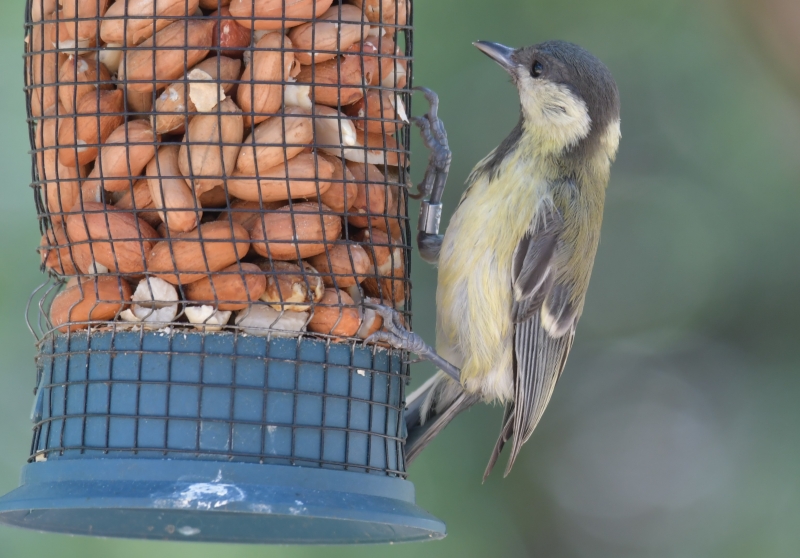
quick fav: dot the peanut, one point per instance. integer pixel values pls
(343, 190)
(174, 105)
(79, 76)
(60, 183)
(139, 101)
(213, 4)
(89, 12)
(130, 22)
(231, 38)
(42, 8)
(211, 147)
(247, 213)
(165, 56)
(270, 14)
(207, 318)
(296, 232)
(261, 90)
(390, 13)
(191, 256)
(267, 146)
(378, 57)
(155, 304)
(380, 150)
(99, 113)
(95, 299)
(378, 112)
(266, 322)
(55, 251)
(116, 239)
(303, 176)
(139, 201)
(342, 265)
(233, 288)
(386, 279)
(335, 315)
(289, 287)
(335, 82)
(337, 29)
(214, 198)
(42, 67)
(126, 152)
(375, 203)
(170, 193)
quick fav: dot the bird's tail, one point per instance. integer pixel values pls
(430, 409)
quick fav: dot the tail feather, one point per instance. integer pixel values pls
(539, 360)
(430, 409)
(505, 435)
(418, 402)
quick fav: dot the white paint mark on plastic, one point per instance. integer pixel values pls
(204, 495)
(188, 531)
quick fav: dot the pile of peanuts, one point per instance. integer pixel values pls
(220, 163)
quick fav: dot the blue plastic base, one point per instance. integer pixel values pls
(216, 502)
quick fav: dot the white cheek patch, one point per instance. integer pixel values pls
(554, 113)
(610, 139)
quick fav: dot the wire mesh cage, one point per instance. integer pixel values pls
(189, 164)
(220, 185)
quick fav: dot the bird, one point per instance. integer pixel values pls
(515, 261)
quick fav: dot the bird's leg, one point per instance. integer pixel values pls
(434, 137)
(429, 240)
(396, 335)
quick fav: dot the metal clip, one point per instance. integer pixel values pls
(430, 216)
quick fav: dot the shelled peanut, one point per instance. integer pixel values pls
(224, 151)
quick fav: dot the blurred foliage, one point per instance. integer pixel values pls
(673, 431)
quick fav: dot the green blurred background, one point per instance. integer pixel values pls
(674, 431)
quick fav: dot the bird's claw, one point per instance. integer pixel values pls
(421, 193)
(437, 127)
(434, 137)
(394, 332)
(396, 335)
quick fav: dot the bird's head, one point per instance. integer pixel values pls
(569, 100)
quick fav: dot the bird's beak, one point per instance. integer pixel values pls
(499, 53)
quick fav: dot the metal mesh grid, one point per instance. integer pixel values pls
(224, 397)
(237, 165)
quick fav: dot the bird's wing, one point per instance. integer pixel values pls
(532, 270)
(544, 330)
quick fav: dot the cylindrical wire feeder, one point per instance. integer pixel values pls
(221, 185)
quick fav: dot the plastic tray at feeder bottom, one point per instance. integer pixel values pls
(218, 437)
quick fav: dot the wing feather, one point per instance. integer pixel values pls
(545, 328)
(531, 271)
(540, 361)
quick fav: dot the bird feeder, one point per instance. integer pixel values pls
(221, 185)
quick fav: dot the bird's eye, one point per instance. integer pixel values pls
(537, 69)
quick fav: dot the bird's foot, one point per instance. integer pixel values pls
(434, 136)
(395, 334)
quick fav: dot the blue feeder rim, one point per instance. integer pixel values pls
(218, 437)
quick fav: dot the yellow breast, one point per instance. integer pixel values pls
(474, 293)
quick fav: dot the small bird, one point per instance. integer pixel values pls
(515, 261)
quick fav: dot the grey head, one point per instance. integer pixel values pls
(569, 100)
